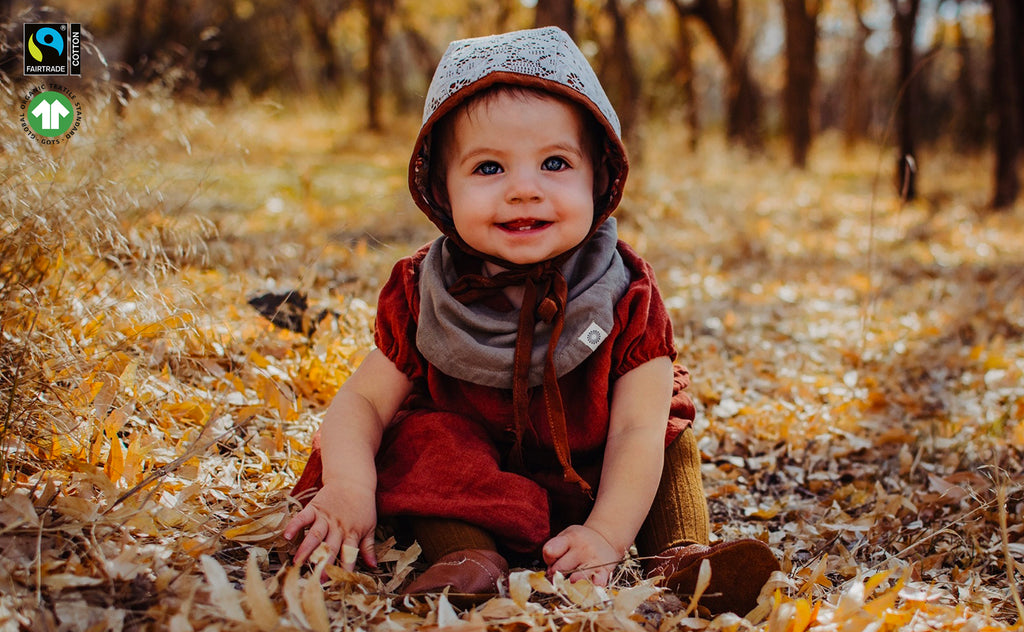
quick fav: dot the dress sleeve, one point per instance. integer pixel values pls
(646, 330)
(397, 312)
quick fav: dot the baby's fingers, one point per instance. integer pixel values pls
(555, 548)
(596, 576)
(299, 522)
(369, 554)
(316, 534)
(567, 563)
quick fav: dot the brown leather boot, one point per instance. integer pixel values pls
(468, 572)
(738, 572)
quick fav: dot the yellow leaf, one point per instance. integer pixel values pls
(404, 566)
(96, 448)
(94, 325)
(816, 576)
(313, 602)
(765, 513)
(264, 615)
(782, 617)
(582, 593)
(540, 583)
(114, 466)
(887, 600)
(128, 376)
(293, 596)
(169, 517)
(628, 599)
(133, 459)
(802, 616)
(222, 593)
(197, 546)
(152, 330)
(113, 422)
(996, 360)
(187, 411)
(262, 528)
(278, 437)
(703, 581)
(446, 616)
(519, 587)
(258, 359)
(875, 581)
(104, 397)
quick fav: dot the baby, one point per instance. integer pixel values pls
(522, 401)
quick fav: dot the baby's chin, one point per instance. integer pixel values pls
(493, 268)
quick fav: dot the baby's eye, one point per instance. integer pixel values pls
(488, 169)
(554, 163)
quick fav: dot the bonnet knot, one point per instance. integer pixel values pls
(547, 310)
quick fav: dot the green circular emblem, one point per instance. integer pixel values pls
(50, 114)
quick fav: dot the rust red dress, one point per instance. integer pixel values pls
(447, 452)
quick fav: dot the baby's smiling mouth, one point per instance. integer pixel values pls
(522, 225)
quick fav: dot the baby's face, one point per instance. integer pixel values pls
(520, 179)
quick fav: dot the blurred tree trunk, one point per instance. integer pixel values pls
(320, 27)
(620, 78)
(145, 44)
(427, 56)
(173, 18)
(905, 25)
(1008, 96)
(856, 116)
(376, 33)
(684, 77)
(743, 99)
(560, 13)
(969, 123)
(134, 47)
(801, 19)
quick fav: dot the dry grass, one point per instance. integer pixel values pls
(857, 362)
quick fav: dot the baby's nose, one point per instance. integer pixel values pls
(523, 187)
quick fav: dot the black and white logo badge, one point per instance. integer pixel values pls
(593, 336)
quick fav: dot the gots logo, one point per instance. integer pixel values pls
(53, 49)
(51, 114)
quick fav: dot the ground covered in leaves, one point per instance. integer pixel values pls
(857, 361)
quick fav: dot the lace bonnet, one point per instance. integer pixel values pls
(544, 58)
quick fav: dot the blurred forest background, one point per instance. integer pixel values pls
(919, 75)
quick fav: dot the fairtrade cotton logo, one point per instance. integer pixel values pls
(47, 37)
(53, 49)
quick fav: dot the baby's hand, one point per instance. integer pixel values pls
(342, 517)
(583, 552)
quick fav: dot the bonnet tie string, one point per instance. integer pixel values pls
(544, 296)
